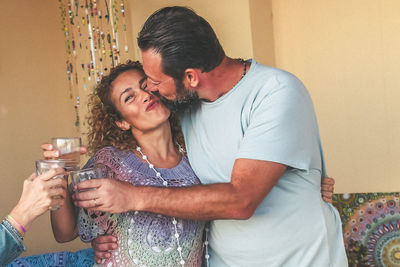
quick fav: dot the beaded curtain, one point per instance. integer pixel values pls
(96, 39)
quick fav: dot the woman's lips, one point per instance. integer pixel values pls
(152, 105)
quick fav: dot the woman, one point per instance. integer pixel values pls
(130, 133)
(36, 198)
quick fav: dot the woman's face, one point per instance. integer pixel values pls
(139, 110)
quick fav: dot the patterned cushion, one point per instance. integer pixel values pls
(371, 228)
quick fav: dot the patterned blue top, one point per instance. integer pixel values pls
(144, 238)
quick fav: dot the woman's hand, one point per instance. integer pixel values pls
(39, 194)
(50, 153)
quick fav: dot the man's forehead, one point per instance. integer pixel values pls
(151, 58)
(152, 64)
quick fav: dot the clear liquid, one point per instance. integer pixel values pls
(71, 159)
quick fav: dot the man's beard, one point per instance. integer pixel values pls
(184, 100)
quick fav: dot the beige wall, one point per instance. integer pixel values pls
(262, 31)
(34, 103)
(347, 53)
(229, 18)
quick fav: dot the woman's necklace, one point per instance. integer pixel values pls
(174, 221)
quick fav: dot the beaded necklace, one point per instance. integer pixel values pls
(242, 61)
(174, 221)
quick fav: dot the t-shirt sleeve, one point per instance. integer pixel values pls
(281, 125)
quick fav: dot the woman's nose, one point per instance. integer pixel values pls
(147, 97)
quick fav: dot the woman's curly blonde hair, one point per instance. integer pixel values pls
(102, 118)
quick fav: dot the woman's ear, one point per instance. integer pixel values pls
(191, 78)
(123, 125)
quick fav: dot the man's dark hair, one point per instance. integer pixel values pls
(183, 39)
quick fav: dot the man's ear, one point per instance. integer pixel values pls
(191, 78)
(123, 125)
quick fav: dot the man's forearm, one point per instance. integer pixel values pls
(201, 202)
(251, 181)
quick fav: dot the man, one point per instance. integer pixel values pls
(252, 139)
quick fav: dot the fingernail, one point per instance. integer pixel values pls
(57, 153)
(114, 239)
(114, 246)
(108, 255)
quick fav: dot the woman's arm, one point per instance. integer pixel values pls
(63, 222)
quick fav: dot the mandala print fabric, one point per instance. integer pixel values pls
(371, 220)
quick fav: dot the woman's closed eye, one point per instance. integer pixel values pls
(143, 84)
(129, 98)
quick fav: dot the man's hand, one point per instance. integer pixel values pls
(103, 245)
(108, 195)
(327, 188)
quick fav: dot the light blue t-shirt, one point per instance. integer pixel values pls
(267, 116)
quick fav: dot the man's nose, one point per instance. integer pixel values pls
(151, 86)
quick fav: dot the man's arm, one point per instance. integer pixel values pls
(251, 182)
(327, 188)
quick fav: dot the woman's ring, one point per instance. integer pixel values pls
(53, 208)
(94, 201)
